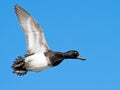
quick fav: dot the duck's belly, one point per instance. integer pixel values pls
(37, 62)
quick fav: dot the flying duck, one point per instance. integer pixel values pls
(39, 56)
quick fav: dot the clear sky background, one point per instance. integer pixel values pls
(90, 26)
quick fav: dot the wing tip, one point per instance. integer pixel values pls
(20, 10)
(16, 8)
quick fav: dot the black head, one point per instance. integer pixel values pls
(73, 54)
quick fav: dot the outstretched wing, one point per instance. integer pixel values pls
(34, 34)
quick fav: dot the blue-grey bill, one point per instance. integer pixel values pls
(81, 58)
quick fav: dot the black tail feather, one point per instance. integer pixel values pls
(19, 66)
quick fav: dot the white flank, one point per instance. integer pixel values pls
(37, 62)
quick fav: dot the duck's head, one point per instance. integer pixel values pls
(73, 54)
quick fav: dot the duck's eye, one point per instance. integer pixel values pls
(75, 52)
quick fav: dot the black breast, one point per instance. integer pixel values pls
(55, 57)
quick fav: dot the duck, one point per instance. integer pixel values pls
(38, 56)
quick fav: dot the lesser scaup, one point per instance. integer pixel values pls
(38, 56)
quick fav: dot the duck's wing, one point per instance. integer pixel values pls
(34, 34)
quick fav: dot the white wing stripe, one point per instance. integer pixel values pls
(34, 34)
(31, 36)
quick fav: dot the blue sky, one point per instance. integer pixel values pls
(90, 26)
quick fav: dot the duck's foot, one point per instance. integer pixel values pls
(19, 66)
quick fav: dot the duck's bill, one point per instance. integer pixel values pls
(81, 58)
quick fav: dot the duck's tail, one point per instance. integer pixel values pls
(19, 66)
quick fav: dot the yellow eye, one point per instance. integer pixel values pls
(75, 52)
